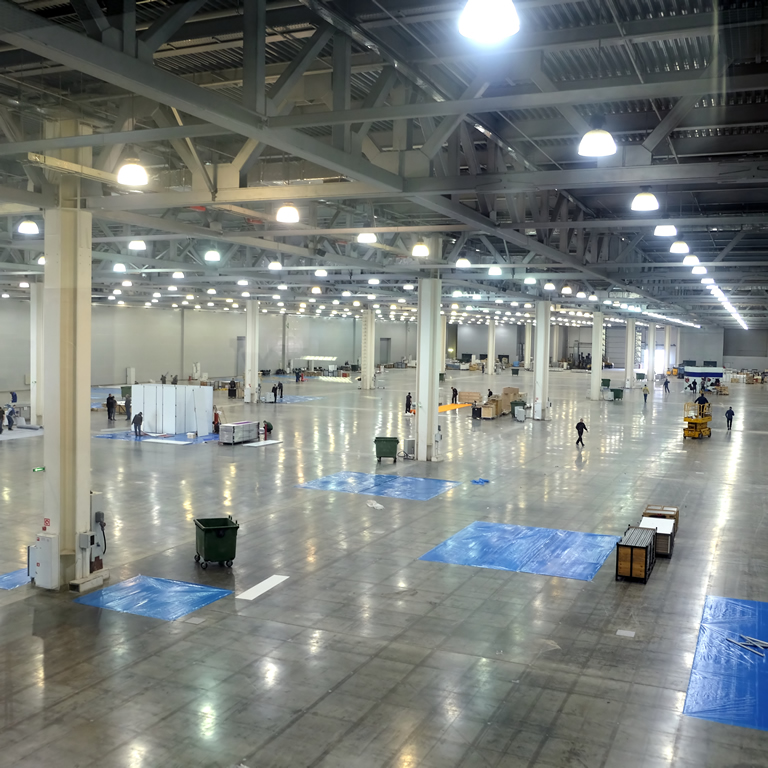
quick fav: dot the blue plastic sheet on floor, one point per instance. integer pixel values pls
(729, 684)
(295, 399)
(157, 598)
(391, 486)
(543, 551)
(130, 436)
(480, 481)
(14, 579)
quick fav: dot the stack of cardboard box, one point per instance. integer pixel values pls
(470, 397)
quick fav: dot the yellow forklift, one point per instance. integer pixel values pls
(697, 417)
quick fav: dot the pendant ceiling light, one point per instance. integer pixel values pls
(679, 246)
(549, 286)
(665, 230)
(707, 281)
(212, 255)
(581, 295)
(420, 249)
(28, 227)
(597, 142)
(494, 272)
(699, 270)
(41, 261)
(593, 297)
(178, 275)
(287, 214)
(529, 281)
(316, 289)
(645, 200)
(321, 273)
(566, 290)
(274, 265)
(690, 260)
(489, 22)
(137, 245)
(463, 263)
(118, 267)
(366, 238)
(132, 174)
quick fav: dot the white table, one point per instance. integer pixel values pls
(665, 533)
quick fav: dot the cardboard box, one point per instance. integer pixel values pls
(470, 397)
(510, 390)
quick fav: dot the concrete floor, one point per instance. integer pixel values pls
(367, 657)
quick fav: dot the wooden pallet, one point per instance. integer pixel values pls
(662, 510)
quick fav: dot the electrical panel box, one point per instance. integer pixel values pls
(43, 564)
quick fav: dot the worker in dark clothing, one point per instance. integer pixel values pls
(490, 394)
(581, 428)
(454, 395)
(10, 416)
(701, 399)
(138, 420)
(729, 414)
(2, 418)
(274, 393)
(666, 385)
(408, 402)
(127, 407)
(111, 405)
(280, 389)
(693, 386)
(267, 429)
(232, 389)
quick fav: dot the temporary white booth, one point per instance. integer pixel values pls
(173, 409)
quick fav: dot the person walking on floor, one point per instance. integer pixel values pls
(666, 385)
(693, 386)
(280, 389)
(646, 392)
(127, 407)
(232, 389)
(111, 405)
(581, 428)
(9, 416)
(274, 393)
(408, 401)
(2, 418)
(138, 420)
(729, 414)
(454, 396)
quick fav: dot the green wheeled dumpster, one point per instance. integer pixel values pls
(605, 383)
(618, 394)
(215, 540)
(386, 448)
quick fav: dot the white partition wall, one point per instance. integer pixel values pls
(173, 410)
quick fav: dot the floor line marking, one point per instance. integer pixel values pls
(261, 588)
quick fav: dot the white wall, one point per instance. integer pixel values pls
(745, 349)
(14, 344)
(473, 340)
(701, 344)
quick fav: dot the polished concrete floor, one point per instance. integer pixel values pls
(367, 657)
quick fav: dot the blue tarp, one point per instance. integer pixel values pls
(292, 398)
(157, 598)
(392, 486)
(158, 436)
(729, 684)
(14, 579)
(544, 551)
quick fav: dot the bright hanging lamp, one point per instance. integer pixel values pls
(489, 22)
(28, 227)
(132, 174)
(367, 238)
(420, 249)
(137, 245)
(494, 272)
(597, 142)
(679, 246)
(212, 255)
(645, 200)
(274, 265)
(665, 230)
(566, 290)
(287, 214)
(690, 260)
(463, 263)
(549, 286)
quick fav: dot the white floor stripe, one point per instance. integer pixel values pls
(261, 588)
(260, 443)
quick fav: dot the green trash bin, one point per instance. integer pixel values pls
(215, 540)
(515, 371)
(618, 394)
(605, 383)
(386, 448)
(441, 377)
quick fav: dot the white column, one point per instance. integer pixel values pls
(555, 351)
(67, 385)
(528, 346)
(36, 304)
(650, 371)
(367, 350)
(597, 356)
(251, 377)
(667, 347)
(428, 354)
(541, 362)
(629, 356)
(444, 343)
(491, 346)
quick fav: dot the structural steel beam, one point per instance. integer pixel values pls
(59, 44)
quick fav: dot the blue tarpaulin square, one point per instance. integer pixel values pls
(392, 486)
(729, 684)
(544, 551)
(157, 598)
(14, 579)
